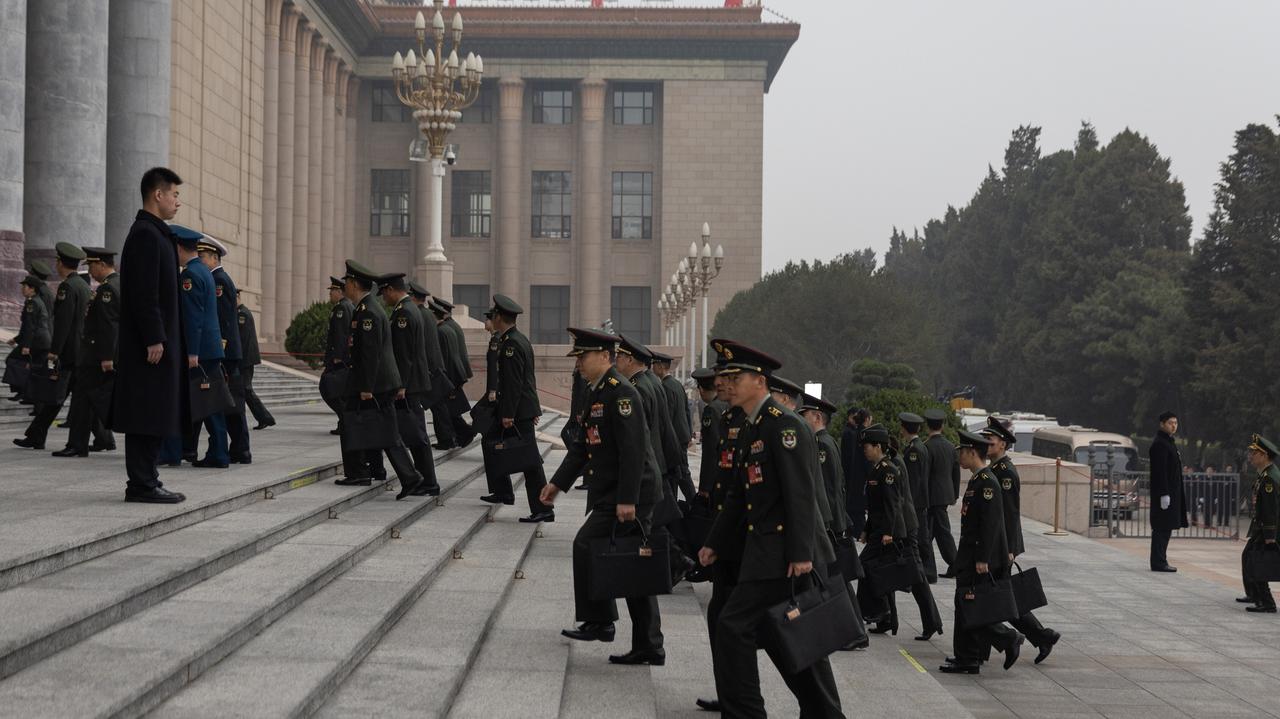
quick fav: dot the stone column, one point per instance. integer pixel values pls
(508, 250)
(138, 67)
(315, 211)
(327, 167)
(287, 95)
(65, 170)
(340, 180)
(355, 223)
(270, 175)
(589, 233)
(421, 219)
(13, 103)
(301, 169)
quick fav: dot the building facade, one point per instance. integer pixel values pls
(603, 138)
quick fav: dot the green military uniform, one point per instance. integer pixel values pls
(98, 345)
(1263, 526)
(44, 292)
(517, 401)
(944, 487)
(886, 488)
(915, 456)
(411, 362)
(337, 350)
(35, 330)
(69, 307)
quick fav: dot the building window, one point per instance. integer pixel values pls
(550, 314)
(629, 308)
(475, 297)
(552, 204)
(389, 203)
(388, 108)
(633, 105)
(472, 204)
(633, 205)
(552, 106)
(482, 111)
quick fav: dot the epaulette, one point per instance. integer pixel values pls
(613, 381)
(775, 411)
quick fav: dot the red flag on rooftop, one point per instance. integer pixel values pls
(733, 3)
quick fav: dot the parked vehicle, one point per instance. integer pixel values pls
(1102, 452)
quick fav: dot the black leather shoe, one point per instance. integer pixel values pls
(424, 490)
(591, 632)
(925, 637)
(856, 646)
(102, 448)
(1261, 609)
(442, 446)
(335, 432)
(245, 459)
(884, 629)
(209, 464)
(1047, 646)
(708, 705)
(584, 486)
(159, 495)
(635, 657)
(960, 668)
(353, 481)
(406, 488)
(685, 565)
(1245, 600)
(1011, 654)
(70, 452)
(264, 425)
(547, 516)
(24, 442)
(1165, 568)
(949, 574)
(495, 499)
(697, 575)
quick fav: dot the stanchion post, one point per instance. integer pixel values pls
(1057, 501)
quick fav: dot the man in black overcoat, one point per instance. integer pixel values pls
(150, 392)
(1168, 503)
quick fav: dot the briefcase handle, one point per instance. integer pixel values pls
(990, 577)
(793, 609)
(204, 374)
(644, 537)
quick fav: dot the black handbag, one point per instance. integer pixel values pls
(986, 602)
(667, 510)
(847, 564)
(1027, 590)
(1262, 564)
(892, 570)
(482, 417)
(631, 565)
(47, 385)
(458, 403)
(512, 453)
(441, 388)
(209, 393)
(99, 395)
(808, 627)
(367, 427)
(333, 385)
(409, 422)
(17, 370)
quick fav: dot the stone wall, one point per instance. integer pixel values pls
(1038, 480)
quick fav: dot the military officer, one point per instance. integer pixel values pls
(774, 493)
(678, 409)
(41, 270)
(1266, 518)
(250, 358)
(198, 303)
(96, 365)
(337, 345)
(517, 408)
(441, 386)
(788, 394)
(885, 526)
(32, 340)
(983, 551)
(916, 456)
(713, 406)
(64, 347)
(622, 489)
(447, 416)
(411, 361)
(373, 377)
(1040, 636)
(211, 253)
(944, 488)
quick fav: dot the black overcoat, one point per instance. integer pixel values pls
(1166, 478)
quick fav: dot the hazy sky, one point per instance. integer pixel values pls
(886, 111)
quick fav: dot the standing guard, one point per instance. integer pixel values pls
(96, 365)
(64, 347)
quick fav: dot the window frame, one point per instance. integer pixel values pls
(540, 108)
(537, 202)
(465, 219)
(642, 330)
(378, 104)
(547, 323)
(618, 214)
(379, 191)
(619, 100)
(475, 311)
(484, 104)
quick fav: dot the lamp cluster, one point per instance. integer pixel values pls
(691, 280)
(436, 86)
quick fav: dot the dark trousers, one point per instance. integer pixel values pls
(970, 645)
(534, 476)
(939, 532)
(260, 413)
(1160, 547)
(423, 461)
(187, 444)
(724, 577)
(924, 546)
(737, 674)
(685, 479)
(141, 452)
(237, 427)
(367, 463)
(646, 621)
(878, 606)
(1259, 592)
(446, 435)
(82, 420)
(38, 429)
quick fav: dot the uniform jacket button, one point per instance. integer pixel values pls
(779, 527)
(751, 528)
(590, 471)
(748, 506)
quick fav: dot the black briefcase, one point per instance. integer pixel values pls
(696, 525)
(235, 385)
(458, 403)
(409, 422)
(667, 510)
(893, 570)
(369, 425)
(17, 370)
(99, 395)
(847, 564)
(441, 388)
(1262, 564)
(810, 625)
(209, 393)
(47, 385)
(512, 453)
(482, 417)
(631, 565)
(333, 383)
(988, 601)
(1027, 590)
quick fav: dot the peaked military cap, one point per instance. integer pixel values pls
(705, 377)
(741, 358)
(185, 236)
(69, 253)
(626, 345)
(784, 385)
(98, 254)
(32, 281)
(809, 402)
(434, 304)
(394, 280)
(717, 346)
(418, 290)
(40, 269)
(358, 271)
(935, 415)
(211, 244)
(585, 340)
(875, 434)
(972, 441)
(445, 305)
(504, 304)
(336, 283)
(1262, 444)
(910, 418)
(995, 428)
(661, 357)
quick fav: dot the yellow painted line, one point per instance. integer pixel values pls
(913, 661)
(304, 481)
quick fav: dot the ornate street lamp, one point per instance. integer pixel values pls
(438, 87)
(704, 266)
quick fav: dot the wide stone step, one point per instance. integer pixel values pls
(172, 643)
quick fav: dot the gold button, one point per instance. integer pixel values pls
(751, 528)
(588, 455)
(719, 507)
(779, 527)
(591, 471)
(748, 505)
(717, 485)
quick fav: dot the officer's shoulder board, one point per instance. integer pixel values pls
(775, 411)
(613, 381)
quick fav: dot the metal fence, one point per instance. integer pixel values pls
(1218, 505)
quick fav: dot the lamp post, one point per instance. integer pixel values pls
(438, 88)
(704, 267)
